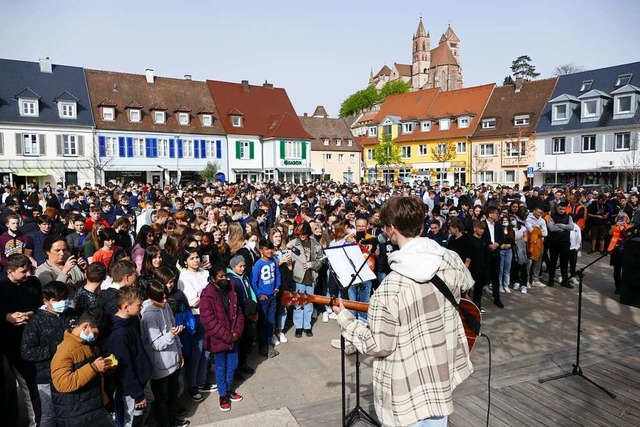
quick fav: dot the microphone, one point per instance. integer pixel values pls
(380, 238)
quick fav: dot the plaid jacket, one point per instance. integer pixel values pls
(416, 337)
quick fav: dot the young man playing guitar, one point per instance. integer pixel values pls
(415, 334)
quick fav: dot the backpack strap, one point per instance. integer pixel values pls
(470, 321)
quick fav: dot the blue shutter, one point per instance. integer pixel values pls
(102, 144)
(218, 149)
(122, 150)
(196, 148)
(147, 147)
(203, 149)
(129, 146)
(155, 147)
(179, 148)
(172, 148)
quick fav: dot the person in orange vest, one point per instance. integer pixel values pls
(618, 232)
(577, 210)
(362, 291)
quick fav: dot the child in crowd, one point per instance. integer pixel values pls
(123, 273)
(41, 338)
(249, 304)
(106, 237)
(161, 338)
(265, 281)
(86, 297)
(223, 323)
(192, 282)
(76, 376)
(133, 391)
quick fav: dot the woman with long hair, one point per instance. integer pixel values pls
(250, 252)
(235, 238)
(145, 238)
(122, 226)
(92, 245)
(152, 260)
(224, 253)
(506, 255)
(285, 266)
(519, 275)
(212, 218)
(223, 225)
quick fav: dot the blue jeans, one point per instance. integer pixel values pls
(266, 320)
(302, 315)
(360, 292)
(504, 276)
(198, 359)
(226, 364)
(432, 422)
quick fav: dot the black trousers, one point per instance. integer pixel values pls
(165, 392)
(494, 273)
(559, 250)
(480, 280)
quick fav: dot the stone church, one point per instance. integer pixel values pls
(437, 67)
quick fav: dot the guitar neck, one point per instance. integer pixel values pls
(362, 307)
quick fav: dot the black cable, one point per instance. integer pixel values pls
(489, 381)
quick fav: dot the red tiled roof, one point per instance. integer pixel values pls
(367, 141)
(266, 112)
(365, 119)
(454, 103)
(384, 71)
(407, 106)
(442, 55)
(322, 128)
(403, 69)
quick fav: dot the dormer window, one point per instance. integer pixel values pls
(586, 85)
(425, 126)
(522, 120)
(159, 117)
(623, 79)
(560, 112)
(407, 127)
(444, 124)
(350, 142)
(236, 121)
(183, 119)
(29, 107)
(325, 142)
(463, 122)
(338, 142)
(135, 115)
(207, 120)
(67, 110)
(488, 123)
(590, 108)
(108, 114)
(373, 131)
(625, 102)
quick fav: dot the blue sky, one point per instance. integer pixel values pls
(319, 51)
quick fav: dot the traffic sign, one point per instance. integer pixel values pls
(530, 172)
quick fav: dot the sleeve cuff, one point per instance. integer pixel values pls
(344, 317)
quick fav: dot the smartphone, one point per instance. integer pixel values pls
(205, 259)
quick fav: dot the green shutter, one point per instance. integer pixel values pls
(251, 150)
(304, 149)
(282, 149)
(238, 149)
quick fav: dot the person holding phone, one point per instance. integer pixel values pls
(60, 265)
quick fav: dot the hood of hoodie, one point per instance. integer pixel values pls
(419, 259)
(118, 322)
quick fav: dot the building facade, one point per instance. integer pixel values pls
(46, 124)
(588, 132)
(154, 129)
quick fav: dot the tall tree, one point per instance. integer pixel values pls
(522, 68)
(387, 154)
(564, 69)
(359, 101)
(210, 171)
(444, 152)
(393, 87)
(507, 81)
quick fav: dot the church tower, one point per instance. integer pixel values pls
(421, 58)
(452, 41)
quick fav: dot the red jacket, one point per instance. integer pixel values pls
(219, 325)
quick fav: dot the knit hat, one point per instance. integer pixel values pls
(235, 261)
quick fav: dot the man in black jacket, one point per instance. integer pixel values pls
(494, 239)
(560, 227)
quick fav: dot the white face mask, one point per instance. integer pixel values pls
(251, 244)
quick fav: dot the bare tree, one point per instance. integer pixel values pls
(99, 162)
(519, 145)
(631, 161)
(478, 164)
(564, 69)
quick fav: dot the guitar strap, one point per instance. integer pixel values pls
(471, 321)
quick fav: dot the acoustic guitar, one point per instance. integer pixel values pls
(472, 312)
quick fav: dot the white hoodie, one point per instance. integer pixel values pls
(419, 259)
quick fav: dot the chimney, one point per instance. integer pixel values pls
(149, 75)
(306, 115)
(46, 65)
(245, 85)
(518, 84)
(187, 76)
(268, 85)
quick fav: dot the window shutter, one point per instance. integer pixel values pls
(548, 146)
(122, 150)
(80, 140)
(180, 148)
(102, 146)
(251, 149)
(577, 141)
(283, 147)
(218, 149)
(238, 145)
(608, 142)
(154, 147)
(1, 144)
(147, 147)
(600, 144)
(196, 148)
(59, 146)
(172, 148)
(304, 150)
(496, 150)
(203, 149)
(129, 146)
(19, 150)
(42, 139)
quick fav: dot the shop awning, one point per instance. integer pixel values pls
(31, 172)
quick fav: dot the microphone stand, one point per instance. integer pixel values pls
(577, 369)
(357, 413)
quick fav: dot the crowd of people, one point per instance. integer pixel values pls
(117, 299)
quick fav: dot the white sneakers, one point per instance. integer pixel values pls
(348, 348)
(523, 290)
(275, 340)
(325, 317)
(283, 338)
(538, 284)
(516, 286)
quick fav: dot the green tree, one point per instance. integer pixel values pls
(393, 87)
(507, 81)
(210, 171)
(522, 68)
(387, 154)
(359, 101)
(444, 152)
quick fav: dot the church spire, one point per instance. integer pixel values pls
(421, 32)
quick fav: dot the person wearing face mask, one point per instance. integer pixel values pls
(506, 255)
(41, 338)
(77, 375)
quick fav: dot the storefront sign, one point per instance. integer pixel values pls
(292, 162)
